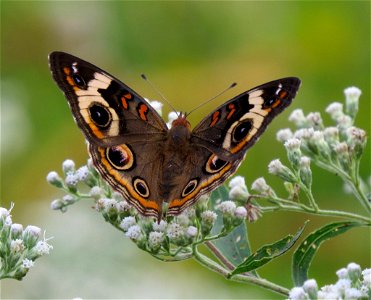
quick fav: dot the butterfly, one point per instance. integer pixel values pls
(148, 163)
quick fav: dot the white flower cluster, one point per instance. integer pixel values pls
(19, 248)
(352, 284)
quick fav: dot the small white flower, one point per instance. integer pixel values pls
(343, 284)
(352, 92)
(174, 231)
(237, 181)
(16, 228)
(304, 162)
(56, 204)
(127, 222)
(344, 122)
(54, 179)
(208, 217)
(155, 239)
(297, 293)
(341, 148)
(134, 232)
(304, 133)
(297, 117)
(310, 287)
(314, 119)
(33, 231)
(335, 110)
(68, 166)
(5, 215)
(354, 271)
(27, 263)
(331, 134)
(171, 117)
(191, 231)
(238, 193)
(292, 144)
(353, 294)
(72, 179)
(122, 206)
(284, 134)
(157, 106)
(42, 248)
(260, 185)
(83, 173)
(227, 207)
(366, 273)
(108, 204)
(240, 212)
(317, 136)
(17, 246)
(182, 219)
(96, 192)
(159, 226)
(275, 167)
(357, 134)
(69, 198)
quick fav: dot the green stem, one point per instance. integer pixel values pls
(213, 266)
(323, 212)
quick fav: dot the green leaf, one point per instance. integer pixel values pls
(235, 246)
(303, 256)
(268, 252)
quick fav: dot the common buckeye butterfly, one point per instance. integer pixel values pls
(148, 163)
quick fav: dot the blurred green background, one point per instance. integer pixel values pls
(191, 50)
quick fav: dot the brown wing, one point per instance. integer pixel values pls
(107, 111)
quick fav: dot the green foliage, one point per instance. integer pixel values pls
(305, 253)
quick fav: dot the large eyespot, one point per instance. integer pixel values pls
(190, 187)
(241, 130)
(214, 164)
(120, 157)
(79, 81)
(100, 115)
(141, 187)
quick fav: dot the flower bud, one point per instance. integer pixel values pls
(30, 235)
(335, 110)
(298, 118)
(297, 293)
(68, 166)
(253, 212)
(356, 140)
(261, 186)
(275, 167)
(293, 152)
(284, 134)
(155, 239)
(127, 222)
(352, 95)
(311, 288)
(305, 171)
(314, 120)
(54, 179)
(354, 272)
(16, 230)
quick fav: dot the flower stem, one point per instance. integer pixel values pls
(244, 278)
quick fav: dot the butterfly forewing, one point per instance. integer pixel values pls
(107, 111)
(235, 126)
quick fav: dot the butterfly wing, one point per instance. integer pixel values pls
(221, 139)
(236, 125)
(107, 111)
(124, 132)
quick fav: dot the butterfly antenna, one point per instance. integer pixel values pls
(159, 93)
(216, 96)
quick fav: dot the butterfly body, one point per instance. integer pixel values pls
(148, 163)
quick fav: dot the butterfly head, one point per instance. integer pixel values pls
(180, 131)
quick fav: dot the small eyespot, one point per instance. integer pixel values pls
(241, 130)
(79, 81)
(215, 164)
(120, 157)
(100, 115)
(141, 187)
(190, 187)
